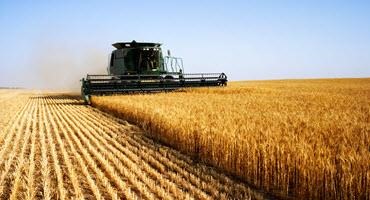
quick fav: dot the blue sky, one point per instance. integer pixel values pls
(52, 44)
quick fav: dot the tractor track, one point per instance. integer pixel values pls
(56, 147)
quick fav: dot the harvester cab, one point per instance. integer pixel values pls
(141, 67)
(136, 58)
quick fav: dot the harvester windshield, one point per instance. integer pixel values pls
(149, 60)
(137, 61)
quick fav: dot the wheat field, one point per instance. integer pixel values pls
(301, 139)
(54, 147)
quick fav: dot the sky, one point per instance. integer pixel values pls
(53, 44)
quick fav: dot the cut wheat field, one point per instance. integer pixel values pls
(300, 139)
(54, 147)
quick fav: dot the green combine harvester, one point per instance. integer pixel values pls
(141, 67)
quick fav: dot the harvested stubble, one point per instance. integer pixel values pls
(294, 138)
(57, 148)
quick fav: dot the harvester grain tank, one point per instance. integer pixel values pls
(141, 67)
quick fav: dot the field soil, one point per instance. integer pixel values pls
(54, 147)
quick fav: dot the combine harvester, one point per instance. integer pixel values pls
(141, 67)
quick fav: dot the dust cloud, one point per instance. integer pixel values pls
(62, 66)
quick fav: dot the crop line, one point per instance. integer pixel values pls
(156, 159)
(162, 163)
(102, 158)
(12, 154)
(4, 134)
(15, 129)
(170, 158)
(113, 158)
(71, 171)
(132, 160)
(45, 169)
(13, 106)
(17, 184)
(31, 187)
(56, 164)
(69, 133)
(91, 181)
(96, 137)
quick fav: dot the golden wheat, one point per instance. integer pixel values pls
(292, 138)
